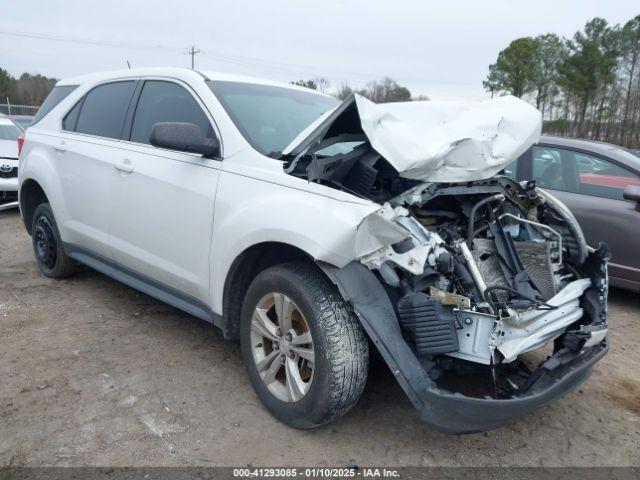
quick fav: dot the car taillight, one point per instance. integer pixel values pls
(20, 142)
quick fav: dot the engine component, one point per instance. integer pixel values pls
(448, 298)
(428, 324)
(536, 259)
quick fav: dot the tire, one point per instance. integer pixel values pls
(340, 348)
(52, 261)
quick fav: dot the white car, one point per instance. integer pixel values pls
(9, 135)
(313, 231)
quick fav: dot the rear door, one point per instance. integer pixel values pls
(592, 187)
(162, 214)
(87, 152)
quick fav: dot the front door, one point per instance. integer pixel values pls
(163, 204)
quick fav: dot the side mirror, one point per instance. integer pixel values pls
(184, 137)
(631, 192)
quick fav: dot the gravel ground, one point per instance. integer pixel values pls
(94, 373)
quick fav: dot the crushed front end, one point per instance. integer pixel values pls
(482, 297)
(481, 294)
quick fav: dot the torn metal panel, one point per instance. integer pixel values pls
(437, 141)
(528, 330)
(379, 232)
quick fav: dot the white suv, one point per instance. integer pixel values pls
(313, 231)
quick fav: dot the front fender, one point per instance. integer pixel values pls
(250, 211)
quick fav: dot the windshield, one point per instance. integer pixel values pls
(9, 130)
(270, 117)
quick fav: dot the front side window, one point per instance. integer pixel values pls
(578, 172)
(9, 130)
(162, 101)
(270, 118)
(104, 109)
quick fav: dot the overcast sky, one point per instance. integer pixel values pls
(437, 48)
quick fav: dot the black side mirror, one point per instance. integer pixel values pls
(185, 137)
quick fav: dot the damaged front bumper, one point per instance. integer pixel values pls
(563, 371)
(581, 343)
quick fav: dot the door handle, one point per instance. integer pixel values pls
(124, 166)
(61, 147)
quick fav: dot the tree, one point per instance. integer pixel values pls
(588, 86)
(7, 86)
(33, 89)
(320, 83)
(385, 90)
(550, 50)
(630, 49)
(590, 66)
(344, 90)
(306, 83)
(514, 69)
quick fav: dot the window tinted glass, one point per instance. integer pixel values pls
(166, 102)
(69, 122)
(270, 117)
(55, 97)
(104, 109)
(577, 172)
(9, 130)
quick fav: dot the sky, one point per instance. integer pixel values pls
(441, 49)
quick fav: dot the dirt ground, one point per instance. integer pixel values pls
(95, 373)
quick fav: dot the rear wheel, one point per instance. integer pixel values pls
(47, 245)
(304, 349)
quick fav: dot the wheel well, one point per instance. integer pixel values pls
(31, 195)
(242, 272)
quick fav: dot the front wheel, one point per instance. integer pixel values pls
(304, 349)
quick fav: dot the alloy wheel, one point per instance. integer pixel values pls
(282, 347)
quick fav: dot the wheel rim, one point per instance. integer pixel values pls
(282, 347)
(46, 246)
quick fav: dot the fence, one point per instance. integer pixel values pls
(11, 109)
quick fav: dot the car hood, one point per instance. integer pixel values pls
(433, 141)
(9, 149)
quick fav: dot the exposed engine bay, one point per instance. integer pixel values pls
(480, 272)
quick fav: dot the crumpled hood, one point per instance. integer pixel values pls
(438, 141)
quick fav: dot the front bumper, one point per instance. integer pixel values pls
(460, 414)
(570, 365)
(9, 184)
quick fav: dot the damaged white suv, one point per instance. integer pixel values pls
(315, 231)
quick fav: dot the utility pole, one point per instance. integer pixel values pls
(193, 51)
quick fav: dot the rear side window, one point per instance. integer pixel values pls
(104, 109)
(70, 120)
(166, 102)
(55, 97)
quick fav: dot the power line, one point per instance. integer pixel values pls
(245, 61)
(220, 56)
